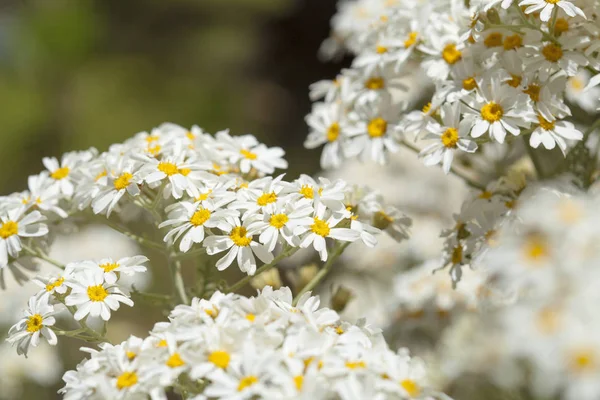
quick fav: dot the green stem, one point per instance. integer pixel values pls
(322, 272)
(42, 256)
(534, 159)
(532, 26)
(142, 241)
(245, 280)
(589, 130)
(178, 284)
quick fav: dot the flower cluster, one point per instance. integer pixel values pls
(500, 69)
(235, 347)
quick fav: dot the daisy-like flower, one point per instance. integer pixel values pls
(189, 222)
(112, 269)
(450, 136)
(42, 195)
(52, 284)
(445, 50)
(498, 110)
(322, 227)
(37, 322)
(246, 151)
(260, 194)
(547, 7)
(327, 126)
(239, 240)
(16, 224)
(282, 221)
(92, 295)
(552, 133)
(549, 57)
(62, 173)
(122, 179)
(386, 217)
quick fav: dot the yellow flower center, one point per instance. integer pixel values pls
(238, 235)
(100, 176)
(426, 108)
(381, 220)
(307, 191)
(562, 25)
(377, 127)
(535, 248)
(355, 364)
(545, 124)
(469, 84)
(123, 181)
(514, 81)
(130, 355)
(219, 358)
(266, 198)
(552, 52)
(51, 286)
(552, 1)
(154, 150)
(412, 39)
(533, 91)
(212, 312)
(582, 361)
(374, 83)
(320, 227)
(298, 381)
(411, 387)
(162, 343)
(247, 381)
(278, 220)
(204, 196)
(381, 49)
(184, 171)
(492, 112)
(494, 39)
(513, 42)
(248, 154)
(97, 293)
(109, 266)
(450, 54)
(34, 323)
(60, 173)
(126, 379)
(450, 138)
(333, 132)
(8, 229)
(168, 168)
(175, 361)
(547, 320)
(250, 317)
(457, 255)
(200, 217)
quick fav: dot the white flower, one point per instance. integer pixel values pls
(38, 321)
(246, 151)
(62, 173)
(327, 126)
(92, 295)
(552, 133)
(120, 180)
(241, 244)
(548, 58)
(16, 224)
(547, 7)
(112, 269)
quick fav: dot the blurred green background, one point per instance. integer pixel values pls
(81, 73)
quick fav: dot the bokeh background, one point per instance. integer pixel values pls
(81, 73)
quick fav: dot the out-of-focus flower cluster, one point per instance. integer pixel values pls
(499, 69)
(235, 347)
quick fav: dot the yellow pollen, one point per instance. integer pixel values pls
(381, 49)
(320, 227)
(190, 135)
(219, 358)
(547, 320)
(561, 26)
(307, 191)
(123, 181)
(154, 150)
(377, 127)
(97, 293)
(450, 138)
(469, 84)
(248, 154)
(168, 168)
(150, 139)
(552, 1)
(339, 330)
(204, 196)
(450, 54)
(266, 198)
(492, 112)
(130, 355)
(100, 176)
(51, 286)
(8, 229)
(545, 124)
(355, 364)
(569, 211)
(246, 382)
(238, 235)
(374, 83)
(212, 312)
(412, 39)
(490, 238)
(457, 255)
(162, 343)
(278, 220)
(184, 171)
(411, 387)
(126, 379)
(514, 81)
(426, 108)
(535, 248)
(381, 220)
(533, 91)
(582, 361)
(200, 217)
(60, 173)
(298, 381)
(576, 83)
(486, 195)
(250, 317)
(34, 323)
(175, 361)
(494, 39)
(109, 266)
(552, 52)
(513, 42)
(333, 132)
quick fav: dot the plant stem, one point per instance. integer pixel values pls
(42, 256)
(474, 184)
(322, 272)
(178, 284)
(534, 159)
(142, 241)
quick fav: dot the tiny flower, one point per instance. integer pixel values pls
(38, 321)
